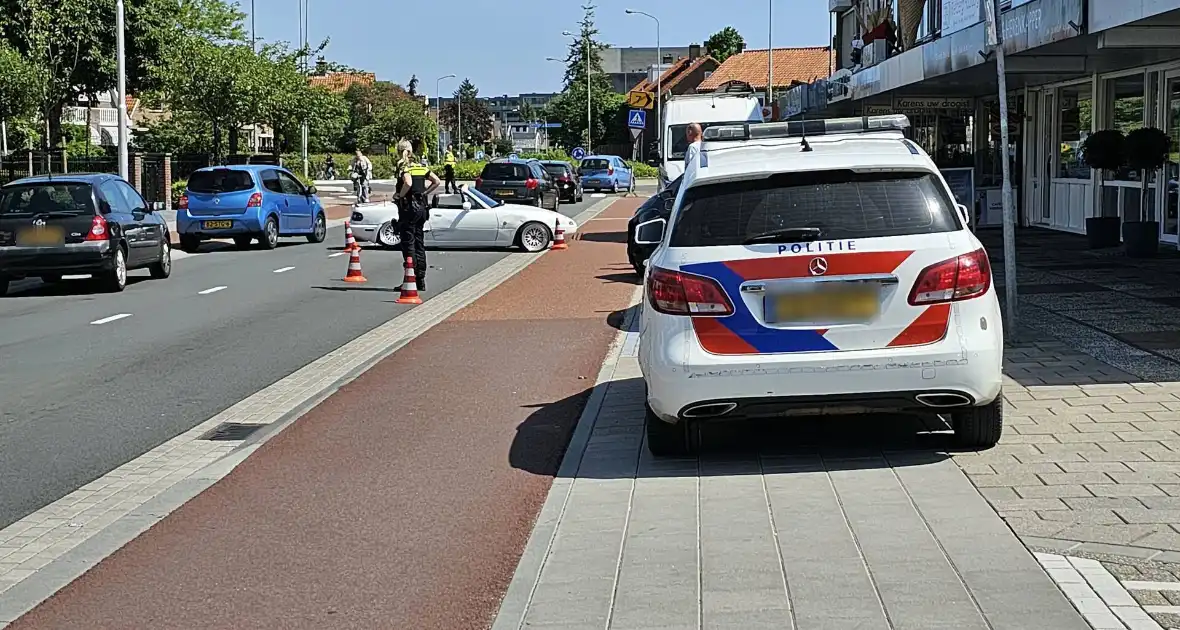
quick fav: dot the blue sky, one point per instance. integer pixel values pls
(501, 46)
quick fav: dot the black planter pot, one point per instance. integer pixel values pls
(1141, 238)
(1102, 232)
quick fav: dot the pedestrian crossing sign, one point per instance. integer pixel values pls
(637, 119)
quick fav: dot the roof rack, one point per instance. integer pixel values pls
(805, 128)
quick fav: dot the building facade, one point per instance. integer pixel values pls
(1074, 67)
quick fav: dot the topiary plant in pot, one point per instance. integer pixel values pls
(1104, 151)
(1146, 150)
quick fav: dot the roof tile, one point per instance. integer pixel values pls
(341, 81)
(790, 65)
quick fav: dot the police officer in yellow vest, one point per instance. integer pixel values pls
(415, 183)
(449, 172)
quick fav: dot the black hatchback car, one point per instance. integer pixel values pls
(568, 182)
(56, 225)
(654, 208)
(519, 181)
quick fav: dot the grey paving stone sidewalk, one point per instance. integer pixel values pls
(830, 524)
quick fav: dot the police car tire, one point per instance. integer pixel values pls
(670, 440)
(979, 427)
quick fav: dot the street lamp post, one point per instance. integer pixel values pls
(438, 117)
(659, 78)
(121, 54)
(589, 124)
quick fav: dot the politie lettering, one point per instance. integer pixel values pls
(818, 247)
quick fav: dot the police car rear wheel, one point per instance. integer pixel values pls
(671, 440)
(979, 427)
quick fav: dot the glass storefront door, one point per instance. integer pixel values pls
(1170, 217)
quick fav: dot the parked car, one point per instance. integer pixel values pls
(51, 226)
(467, 219)
(606, 172)
(248, 201)
(519, 181)
(568, 182)
(659, 206)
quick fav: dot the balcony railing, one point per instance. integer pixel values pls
(103, 116)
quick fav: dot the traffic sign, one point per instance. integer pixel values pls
(637, 119)
(642, 100)
(479, 155)
(578, 153)
(635, 133)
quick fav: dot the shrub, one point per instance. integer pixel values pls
(1104, 150)
(178, 189)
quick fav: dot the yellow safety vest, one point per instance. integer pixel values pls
(450, 160)
(418, 173)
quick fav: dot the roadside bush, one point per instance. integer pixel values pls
(178, 189)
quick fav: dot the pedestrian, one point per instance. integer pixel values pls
(361, 171)
(329, 167)
(415, 184)
(692, 153)
(449, 171)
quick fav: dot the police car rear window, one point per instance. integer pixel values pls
(221, 180)
(506, 172)
(842, 204)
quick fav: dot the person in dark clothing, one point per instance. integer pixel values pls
(415, 184)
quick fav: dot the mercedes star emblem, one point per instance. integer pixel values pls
(818, 266)
(39, 222)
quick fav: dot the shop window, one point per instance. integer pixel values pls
(945, 134)
(1124, 111)
(992, 171)
(1073, 126)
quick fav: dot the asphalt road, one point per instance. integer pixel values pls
(379, 509)
(90, 381)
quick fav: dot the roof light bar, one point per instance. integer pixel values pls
(805, 128)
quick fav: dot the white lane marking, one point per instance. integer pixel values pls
(112, 318)
(212, 290)
(336, 254)
(597, 195)
(283, 269)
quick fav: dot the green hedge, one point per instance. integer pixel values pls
(178, 189)
(383, 165)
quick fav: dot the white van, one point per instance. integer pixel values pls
(718, 108)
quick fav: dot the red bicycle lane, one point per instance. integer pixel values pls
(405, 499)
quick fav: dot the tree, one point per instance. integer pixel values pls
(569, 107)
(222, 86)
(724, 44)
(22, 85)
(404, 119)
(364, 103)
(73, 42)
(182, 132)
(324, 67)
(477, 120)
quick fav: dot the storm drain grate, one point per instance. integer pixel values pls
(230, 432)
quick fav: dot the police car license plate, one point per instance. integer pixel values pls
(849, 305)
(217, 225)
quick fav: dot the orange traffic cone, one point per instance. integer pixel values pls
(350, 244)
(409, 289)
(354, 268)
(559, 236)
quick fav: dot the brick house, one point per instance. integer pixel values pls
(792, 66)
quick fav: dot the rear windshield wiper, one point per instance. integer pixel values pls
(787, 235)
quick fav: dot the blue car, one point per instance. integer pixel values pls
(606, 172)
(244, 202)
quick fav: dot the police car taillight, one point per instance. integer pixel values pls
(960, 278)
(679, 293)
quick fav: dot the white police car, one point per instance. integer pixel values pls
(817, 267)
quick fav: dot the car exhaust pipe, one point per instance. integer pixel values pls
(943, 400)
(709, 410)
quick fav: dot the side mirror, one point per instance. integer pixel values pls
(311, 190)
(963, 214)
(466, 205)
(650, 232)
(156, 206)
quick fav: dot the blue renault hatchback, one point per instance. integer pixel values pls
(244, 202)
(606, 172)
